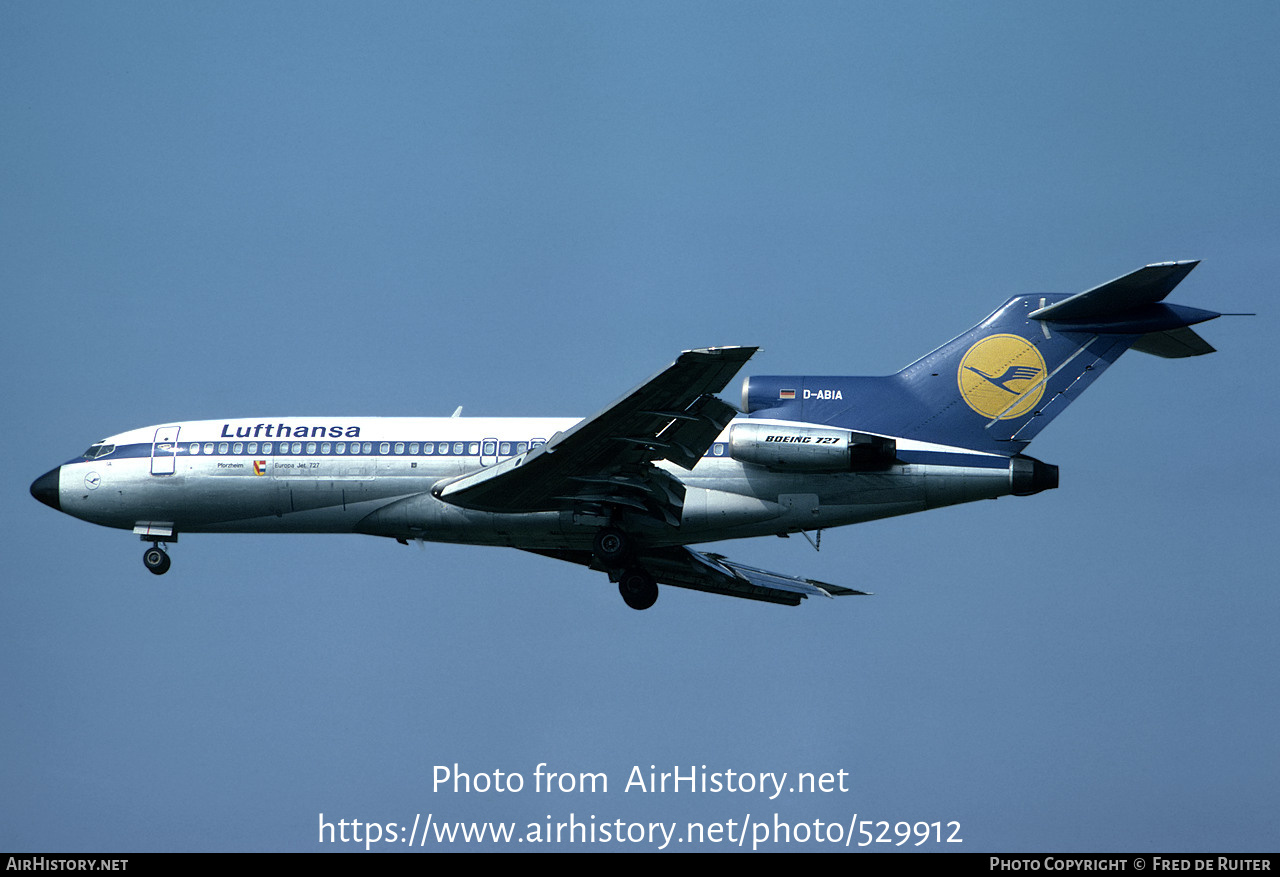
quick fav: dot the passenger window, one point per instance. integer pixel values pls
(413, 447)
(367, 448)
(237, 448)
(266, 447)
(311, 447)
(340, 448)
(195, 448)
(457, 448)
(490, 448)
(324, 447)
(208, 447)
(473, 448)
(253, 447)
(297, 448)
(521, 447)
(429, 448)
(504, 449)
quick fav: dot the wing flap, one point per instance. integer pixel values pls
(682, 567)
(692, 431)
(763, 578)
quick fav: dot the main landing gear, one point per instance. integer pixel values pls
(614, 548)
(156, 559)
(637, 587)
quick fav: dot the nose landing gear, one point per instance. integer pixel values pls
(156, 559)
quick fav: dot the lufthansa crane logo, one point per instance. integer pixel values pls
(1002, 376)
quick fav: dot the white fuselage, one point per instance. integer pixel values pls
(375, 476)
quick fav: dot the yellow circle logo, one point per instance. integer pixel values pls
(1002, 376)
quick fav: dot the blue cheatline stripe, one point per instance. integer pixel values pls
(143, 449)
(718, 450)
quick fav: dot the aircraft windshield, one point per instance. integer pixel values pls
(101, 449)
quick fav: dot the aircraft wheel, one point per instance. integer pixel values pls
(611, 546)
(638, 589)
(156, 560)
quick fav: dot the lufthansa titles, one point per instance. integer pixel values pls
(289, 430)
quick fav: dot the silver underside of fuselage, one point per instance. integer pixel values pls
(724, 499)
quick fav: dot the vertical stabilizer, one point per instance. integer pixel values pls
(997, 385)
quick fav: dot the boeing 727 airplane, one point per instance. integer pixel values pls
(666, 466)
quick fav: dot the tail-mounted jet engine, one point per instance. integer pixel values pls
(809, 448)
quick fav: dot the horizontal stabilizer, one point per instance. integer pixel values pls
(1145, 286)
(1173, 344)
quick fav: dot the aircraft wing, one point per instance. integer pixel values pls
(607, 460)
(683, 567)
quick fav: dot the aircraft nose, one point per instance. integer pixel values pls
(45, 488)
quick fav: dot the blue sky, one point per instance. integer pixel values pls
(394, 209)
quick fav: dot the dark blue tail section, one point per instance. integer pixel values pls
(996, 386)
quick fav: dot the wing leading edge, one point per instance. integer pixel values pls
(683, 567)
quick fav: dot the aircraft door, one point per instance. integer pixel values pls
(164, 450)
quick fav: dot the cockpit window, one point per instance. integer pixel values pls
(101, 449)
